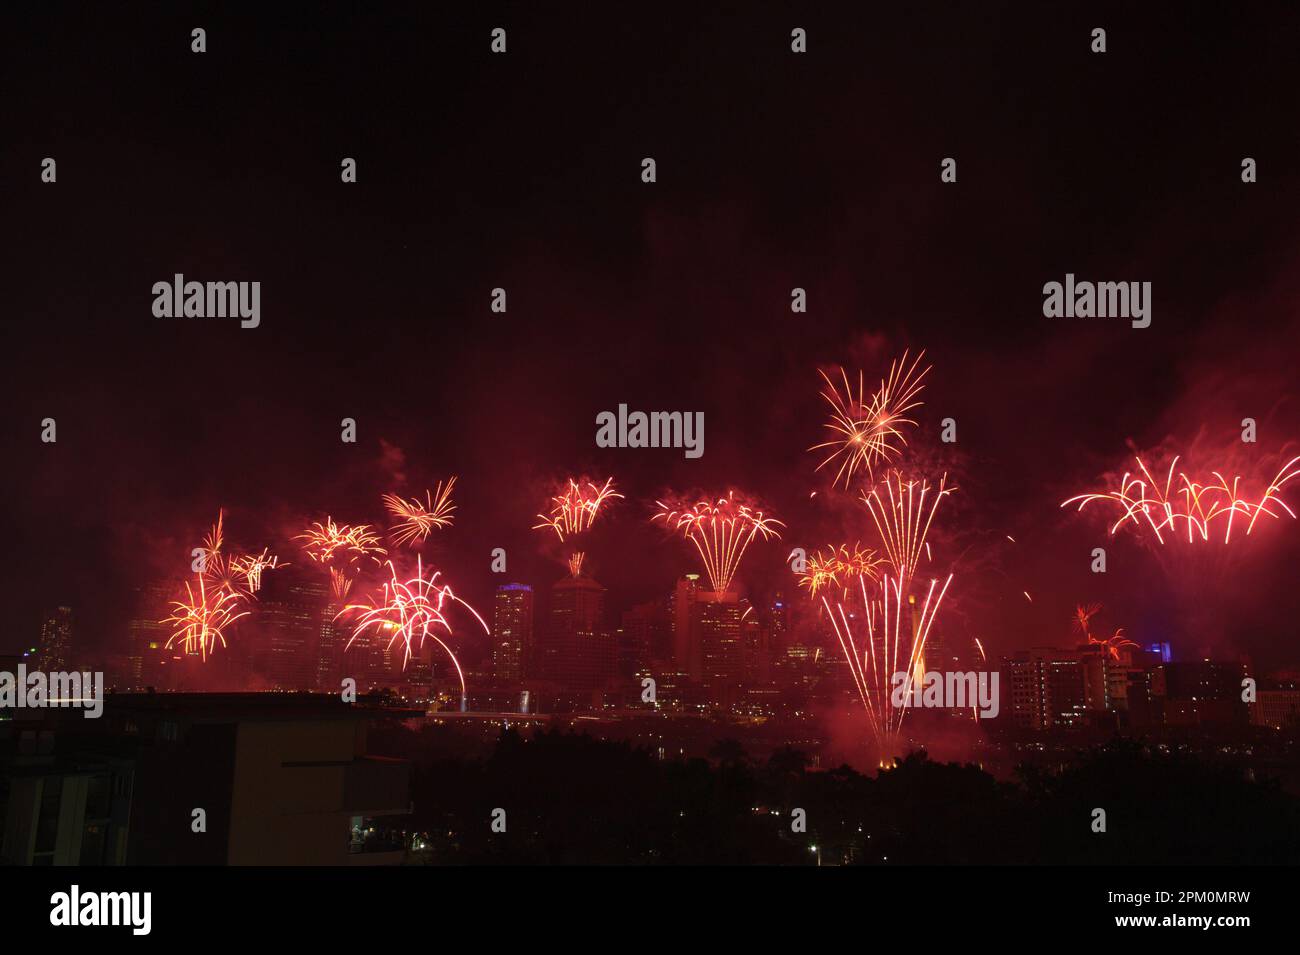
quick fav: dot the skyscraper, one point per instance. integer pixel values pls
(778, 616)
(512, 631)
(1047, 688)
(290, 622)
(578, 652)
(715, 637)
(331, 637)
(147, 635)
(646, 637)
(685, 654)
(55, 646)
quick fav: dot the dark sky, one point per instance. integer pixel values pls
(522, 171)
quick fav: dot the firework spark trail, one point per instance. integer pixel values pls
(212, 543)
(416, 518)
(877, 638)
(412, 611)
(874, 637)
(974, 706)
(1112, 644)
(202, 619)
(838, 566)
(329, 542)
(868, 430)
(1145, 502)
(1083, 615)
(721, 530)
(574, 510)
(251, 567)
(341, 547)
(239, 575)
(340, 584)
(903, 515)
(220, 573)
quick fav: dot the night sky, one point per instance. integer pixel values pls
(522, 171)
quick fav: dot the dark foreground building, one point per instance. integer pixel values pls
(177, 779)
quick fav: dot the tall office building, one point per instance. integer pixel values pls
(757, 639)
(55, 646)
(332, 636)
(292, 617)
(1277, 705)
(716, 639)
(778, 622)
(147, 635)
(1200, 692)
(1047, 687)
(578, 652)
(512, 631)
(686, 655)
(646, 638)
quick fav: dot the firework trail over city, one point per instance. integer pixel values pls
(411, 610)
(879, 638)
(573, 510)
(871, 614)
(219, 572)
(871, 611)
(1113, 645)
(903, 510)
(1202, 530)
(222, 587)
(342, 548)
(251, 567)
(240, 575)
(720, 529)
(416, 519)
(1184, 509)
(202, 618)
(868, 430)
(839, 567)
